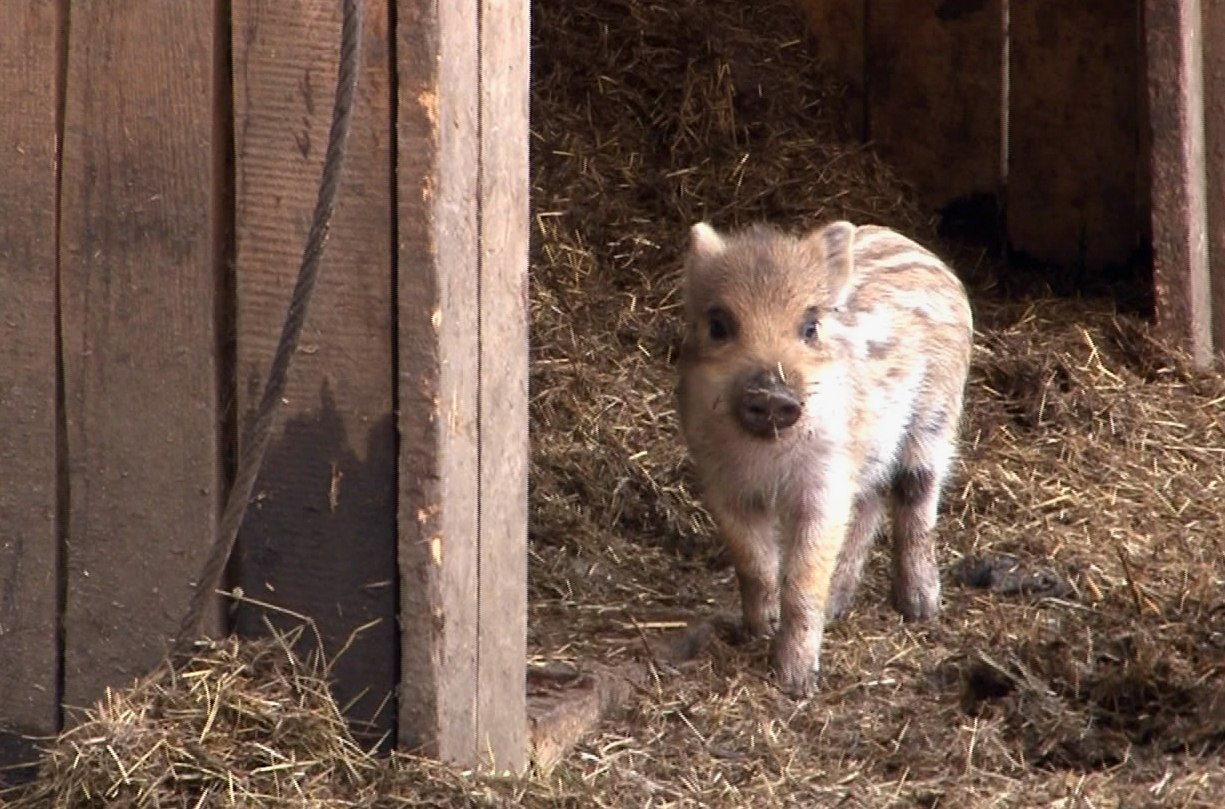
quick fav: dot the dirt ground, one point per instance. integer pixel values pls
(1080, 657)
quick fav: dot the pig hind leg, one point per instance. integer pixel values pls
(869, 508)
(923, 466)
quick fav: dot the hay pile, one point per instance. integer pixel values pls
(242, 724)
(1080, 660)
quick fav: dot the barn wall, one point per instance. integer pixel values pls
(321, 539)
(1031, 111)
(164, 161)
(29, 501)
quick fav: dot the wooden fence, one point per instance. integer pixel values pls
(161, 162)
(1082, 124)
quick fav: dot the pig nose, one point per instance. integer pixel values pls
(768, 407)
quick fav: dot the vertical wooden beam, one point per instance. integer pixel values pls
(29, 569)
(1176, 112)
(934, 80)
(463, 377)
(320, 538)
(439, 374)
(1214, 134)
(839, 28)
(139, 347)
(1073, 123)
(502, 651)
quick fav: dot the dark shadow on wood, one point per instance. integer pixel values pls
(18, 758)
(320, 540)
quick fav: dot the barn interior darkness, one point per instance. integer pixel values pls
(1022, 127)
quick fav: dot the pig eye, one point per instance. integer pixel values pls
(720, 325)
(811, 326)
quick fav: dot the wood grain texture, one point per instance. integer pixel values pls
(502, 654)
(1214, 135)
(320, 537)
(29, 662)
(934, 79)
(839, 29)
(138, 283)
(1180, 241)
(463, 379)
(439, 350)
(1072, 190)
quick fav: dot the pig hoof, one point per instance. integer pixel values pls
(798, 687)
(917, 605)
(761, 623)
(839, 605)
(796, 676)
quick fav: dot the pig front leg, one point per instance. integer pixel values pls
(869, 508)
(747, 528)
(813, 533)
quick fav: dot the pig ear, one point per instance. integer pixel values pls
(835, 243)
(705, 243)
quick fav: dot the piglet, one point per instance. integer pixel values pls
(821, 382)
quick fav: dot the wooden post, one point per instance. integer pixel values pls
(463, 90)
(1214, 133)
(138, 281)
(439, 350)
(502, 594)
(1176, 112)
(29, 569)
(320, 537)
(1072, 135)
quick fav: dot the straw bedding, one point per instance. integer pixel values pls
(1080, 659)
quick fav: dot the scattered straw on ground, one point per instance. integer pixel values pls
(1082, 673)
(1080, 660)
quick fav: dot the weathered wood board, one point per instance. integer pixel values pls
(138, 280)
(319, 539)
(839, 30)
(1073, 119)
(1179, 207)
(439, 322)
(29, 519)
(504, 449)
(463, 376)
(1214, 164)
(934, 79)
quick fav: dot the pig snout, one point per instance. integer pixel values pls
(767, 406)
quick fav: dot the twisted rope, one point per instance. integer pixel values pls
(259, 431)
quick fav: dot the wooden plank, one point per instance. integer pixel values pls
(502, 650)
(463, 83)
(839, 29)
(1214, 135)
(1144, 152)
(138, 286)
(934, 79)
(439, 349)
(1180, 242)
(1074, 69)
(566, 704)
(320, 539)
(29, 569)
